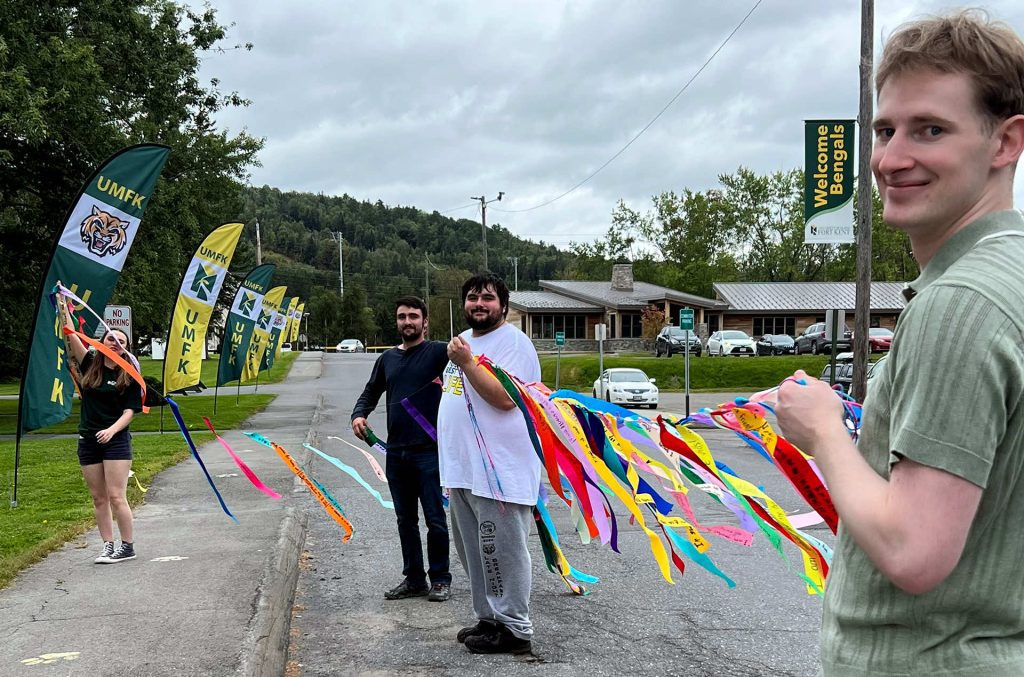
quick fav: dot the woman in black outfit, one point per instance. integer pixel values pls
(110, 398)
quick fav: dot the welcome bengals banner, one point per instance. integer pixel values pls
(261, 333)
(200, 289)
(245, 311)
(87, 258)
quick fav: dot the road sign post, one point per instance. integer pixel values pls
(559, 342)
(600, 332)
(686, 324)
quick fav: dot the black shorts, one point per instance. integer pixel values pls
(119, 448)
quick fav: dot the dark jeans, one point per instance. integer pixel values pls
(413, 476)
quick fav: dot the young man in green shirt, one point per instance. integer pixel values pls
(928, 576)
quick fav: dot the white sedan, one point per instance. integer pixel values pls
(626, 387)
(730, 342)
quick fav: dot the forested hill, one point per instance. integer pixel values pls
(388, 252)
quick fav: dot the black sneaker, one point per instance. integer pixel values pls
(500, 641)
(482, 627)
(404, 590)
(108, 550)
(124, 552)
(440, 592)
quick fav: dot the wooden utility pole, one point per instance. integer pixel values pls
(483, 219)
(862, 313)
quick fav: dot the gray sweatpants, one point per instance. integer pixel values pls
(491, 539)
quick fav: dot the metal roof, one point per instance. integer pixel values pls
(602, 294)
(806, 296)
(545, 300)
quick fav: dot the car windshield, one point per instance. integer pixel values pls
(780, 338)
(350, 342)
(734, 335)
(677, 332)
(882, 332)
(632, 376)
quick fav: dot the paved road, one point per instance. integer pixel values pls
(632, 623)
(187, 605)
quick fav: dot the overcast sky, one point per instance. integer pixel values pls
(426, 104)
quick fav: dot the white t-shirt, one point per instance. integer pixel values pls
(466, 463)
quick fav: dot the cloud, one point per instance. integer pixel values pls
(427, 104)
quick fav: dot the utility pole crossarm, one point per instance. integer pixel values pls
(482, 199)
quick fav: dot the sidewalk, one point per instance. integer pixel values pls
(198, 577)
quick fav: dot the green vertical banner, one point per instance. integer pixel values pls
(828, 181)
(88, 257)
(277, 322)
(278, 326)
(245, 311)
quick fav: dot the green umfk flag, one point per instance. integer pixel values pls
(88, 256)
(245, 311)
(277, 328)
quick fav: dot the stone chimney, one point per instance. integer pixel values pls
(622, 277)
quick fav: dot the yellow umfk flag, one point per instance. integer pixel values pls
(261, 333)
(200, 288)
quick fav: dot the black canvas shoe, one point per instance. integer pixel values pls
(124, 552)
(108, 550)
(482, 627)
(404, 590)
(440, 592)
(500, 641)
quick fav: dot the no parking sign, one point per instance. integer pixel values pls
(117, 317)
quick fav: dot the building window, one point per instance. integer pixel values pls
(631, 326)
(774, 325)
(545, 326)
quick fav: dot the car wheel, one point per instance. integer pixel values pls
(593, 393)
(796, 349)
(698, 352)
(668, 352)
(608, 397)
(721, 351)
(814, 348)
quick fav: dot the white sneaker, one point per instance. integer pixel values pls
(108, 550)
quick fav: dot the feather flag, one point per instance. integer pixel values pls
(245, 310)
(261, 333)
(200, 289)
(88, 255)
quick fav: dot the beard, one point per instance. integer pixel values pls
(490, 321)
(412, 333)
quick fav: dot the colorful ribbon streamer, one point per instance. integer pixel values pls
(256, 482)
(318, 490)
(195, 454)
(353, 473)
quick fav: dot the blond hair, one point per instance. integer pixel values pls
(969, 42)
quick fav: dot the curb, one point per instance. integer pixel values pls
(265, 646)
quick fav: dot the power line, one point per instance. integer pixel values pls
(647, 126)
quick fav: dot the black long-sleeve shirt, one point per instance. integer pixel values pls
(406, 374)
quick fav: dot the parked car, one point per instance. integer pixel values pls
(286, 347)
(844, 370)
(776, 344)
(815, 341)
(351, 346)
(730, 342)
(671, 340)
(880, 339)
(626, 387)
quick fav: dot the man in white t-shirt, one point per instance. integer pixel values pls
(491, 469)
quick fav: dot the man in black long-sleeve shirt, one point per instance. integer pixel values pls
(410, 372)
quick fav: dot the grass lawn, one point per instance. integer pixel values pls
(707, 374)
(208, 375)
(53, 502)
(193, 408)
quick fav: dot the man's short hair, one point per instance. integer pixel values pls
(989, 52)
(411, 302)
(481, 281)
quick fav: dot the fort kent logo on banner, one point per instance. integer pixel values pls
(204, 282)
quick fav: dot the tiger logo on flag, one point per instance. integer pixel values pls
(103, 233)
